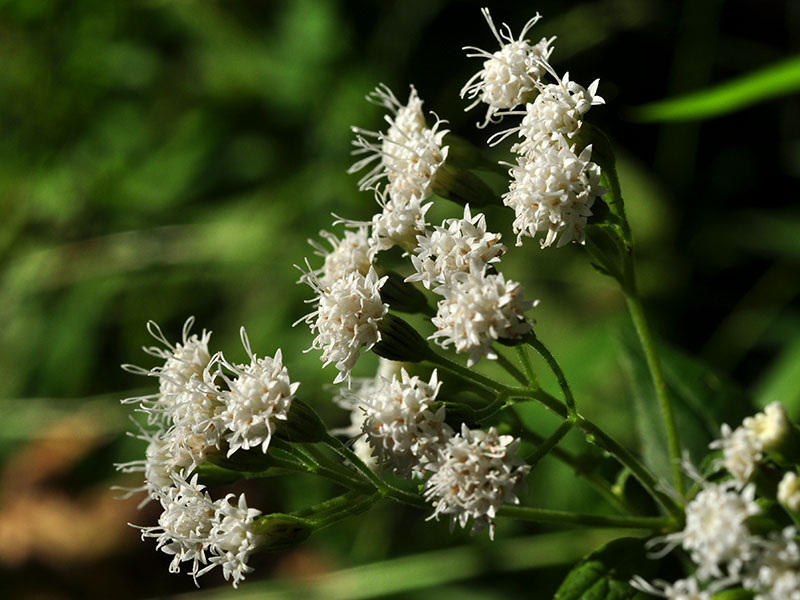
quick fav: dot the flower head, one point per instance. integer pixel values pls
(232, 539)
(553, 193)
(510, 75)
(407, 155)
(454, 247)
(402, 423)
(741, 452)
(348, 254)
(259, 396)
(715, 533)
(789, 491)
(399, 223)
(769, 427)
(475, 474)
(683, 589)
(776, 572)
(346, 318)
(477, 310)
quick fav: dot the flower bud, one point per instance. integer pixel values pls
(774, 433)
(462, 187)
(399, 341)
(404, 297)
(302, 424)
(281, 531)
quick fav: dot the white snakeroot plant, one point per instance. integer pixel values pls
(454, 247)
(403, 424)
(476, 473)
(553, 193)
(258, 398)
(346, 319)
(477, 310)
(509, 76)
(430, 430)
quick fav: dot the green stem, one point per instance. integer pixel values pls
(600, 484)
(522, 354)
(599, 437)
(542, 515)
(454, 367)
(549, 444)
(660, 385)
(551, 361)
(511, 368)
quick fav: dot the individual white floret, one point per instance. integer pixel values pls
(741, 452)
(158, 465)
(399, 222)
(258, 397)
(557, 112)
(476, 473)
(407, 155)
(477, 310)
(789, 491)
(510, 75)
(349, 254)
(232, 539)
(403, 425)
(683, 589)
(776, 572)
(553, 193)
(454, 247)
(346, 319)
(185, 524)
(769, 427)
(715, 533)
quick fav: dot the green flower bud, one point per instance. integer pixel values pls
(404, 297)
(301, 425)
(399, 341)
(281, 531)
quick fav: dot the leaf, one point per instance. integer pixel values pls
(702, 400)
(769, 82)
(605, 573)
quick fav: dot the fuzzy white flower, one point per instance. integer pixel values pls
(403, 425)
(158, 465)
(776, 572)
(349, 254)
(454, 247)
(407, 155)
(399, 222)
(258, 397)
(182, 361)
(476, 473)
(553, 193)
(232, 539)
(557, 112)
(789, 491)
(185, 524)
(477, 310)
(741, 452)
(769, 427)
(715, 533)
(509, 75)
(346, 318)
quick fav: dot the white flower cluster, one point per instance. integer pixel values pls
(407, 156)
(205, 403)
(475, 474)
(718, 534)
(403, 425)
(743, 448)
(471, 474)
(204, 532)
(554, 182)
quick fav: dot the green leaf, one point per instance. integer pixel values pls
(605, 573)
(775, 80)
(702, 401)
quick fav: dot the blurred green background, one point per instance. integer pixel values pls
(167, 158)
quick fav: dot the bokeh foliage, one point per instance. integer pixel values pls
(167, 158)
